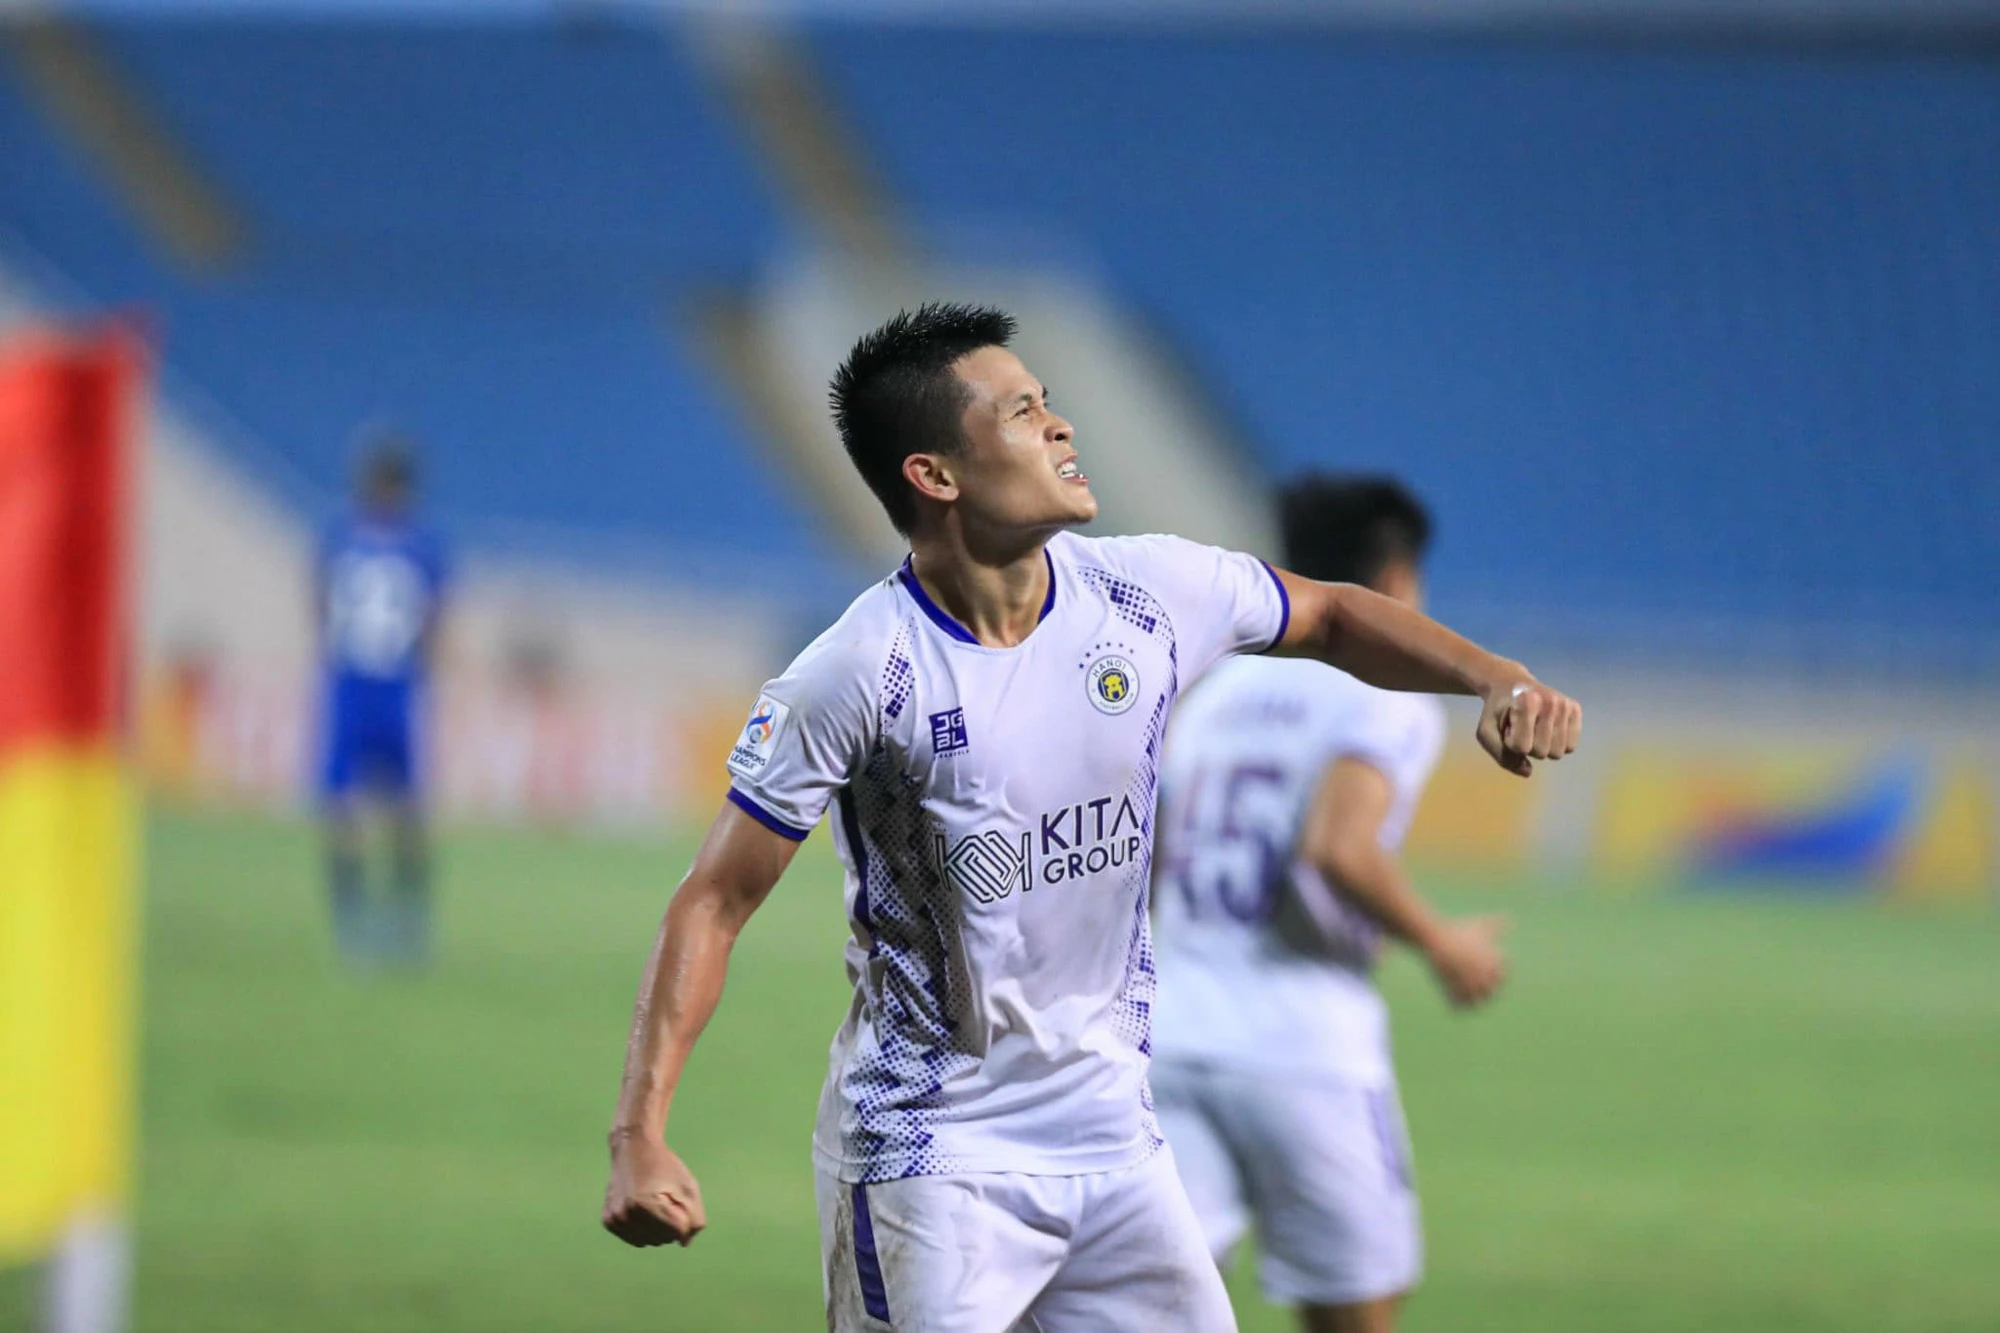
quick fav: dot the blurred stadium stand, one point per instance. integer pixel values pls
(1718, 328)
(1722, 323)
(529, 313)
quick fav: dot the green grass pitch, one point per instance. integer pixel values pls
(1728, 1114)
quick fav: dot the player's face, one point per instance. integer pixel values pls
(1019, 468)
(388, 497)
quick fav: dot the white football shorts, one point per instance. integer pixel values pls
(1320, 1165)
(1109, 1252)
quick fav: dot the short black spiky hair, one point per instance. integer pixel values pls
(1346, 529)
(896, 395)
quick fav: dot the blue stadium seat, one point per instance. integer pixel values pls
(526, 323)
(1700, 335)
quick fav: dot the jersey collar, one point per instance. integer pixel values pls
(943, 618)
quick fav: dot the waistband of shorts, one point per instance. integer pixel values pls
(1010, 1161)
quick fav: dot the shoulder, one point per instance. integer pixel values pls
(1286, 677)
(421, 545)
(1282, 694)
(1421, 715)
(855, 649)
(1430, 724)
(1136, 556)
(1409, 728)
(1154, 574)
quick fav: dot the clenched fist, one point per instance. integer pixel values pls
(1525, 721)
(652, 1198)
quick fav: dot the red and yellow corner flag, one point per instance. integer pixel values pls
(68, 415)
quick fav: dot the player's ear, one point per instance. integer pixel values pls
(932, 476)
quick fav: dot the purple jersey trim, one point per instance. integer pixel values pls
(1284, 605)
(766, 818)
(943, 619)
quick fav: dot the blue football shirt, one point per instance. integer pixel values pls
(381, 583)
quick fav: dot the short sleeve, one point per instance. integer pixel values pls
(1222, 602)
(1399, 734)
(804, 740)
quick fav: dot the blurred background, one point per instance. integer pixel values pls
(1684, 316)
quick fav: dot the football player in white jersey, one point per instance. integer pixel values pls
(986, 725)
(1286, 792)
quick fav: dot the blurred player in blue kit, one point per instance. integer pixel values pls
(1286, 792)
(378, 590)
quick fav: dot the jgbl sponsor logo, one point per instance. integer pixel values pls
(1077, 840)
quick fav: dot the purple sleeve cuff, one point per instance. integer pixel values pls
(1284, 605)
(766, 818)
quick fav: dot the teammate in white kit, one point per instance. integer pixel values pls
(986, 724)
(1287, 789)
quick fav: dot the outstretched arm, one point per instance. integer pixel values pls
(1342, 839)
(653, 1198)
(1379, 640)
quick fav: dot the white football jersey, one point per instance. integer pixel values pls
(995, 814)
(1262, 965)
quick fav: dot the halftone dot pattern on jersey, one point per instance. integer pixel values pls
(899, 678)
(895, 1082)
(1132, 1014)
(1132, 602)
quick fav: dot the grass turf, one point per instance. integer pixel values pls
(1727, 1113)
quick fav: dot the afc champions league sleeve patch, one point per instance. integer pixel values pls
(760, 736)
(1112, 683)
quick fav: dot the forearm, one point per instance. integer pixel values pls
(1373, 880)
(1380, 641)
(678, 993)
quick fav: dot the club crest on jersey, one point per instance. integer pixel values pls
(760, 736)
(1112, 683)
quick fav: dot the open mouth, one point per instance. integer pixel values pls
(1069, 471)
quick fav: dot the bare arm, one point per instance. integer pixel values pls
(1342, 839)
(1379, 640)
(652, 1198)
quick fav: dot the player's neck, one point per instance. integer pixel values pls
(997, 590)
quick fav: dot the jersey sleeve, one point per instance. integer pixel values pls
(1222, 602)
(1399, 734)
(1382, 734)
(805, 739)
